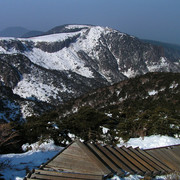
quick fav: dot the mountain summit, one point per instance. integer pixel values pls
(71, 60)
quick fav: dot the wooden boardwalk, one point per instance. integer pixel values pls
(94, 161)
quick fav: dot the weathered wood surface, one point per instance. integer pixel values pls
(146, 162)
(136, 165)
(80, 160)
(55, 175)
(167, 157)
(93, 161)
(160, 166)
(143, 165)
(127, 166)
(106, 160)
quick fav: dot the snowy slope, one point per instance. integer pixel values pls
(92, 53)
(88, 40)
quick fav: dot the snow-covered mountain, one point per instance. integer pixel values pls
(71, 60)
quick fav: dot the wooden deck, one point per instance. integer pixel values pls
(93, 161)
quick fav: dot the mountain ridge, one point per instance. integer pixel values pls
(55, 68)
(144, 105)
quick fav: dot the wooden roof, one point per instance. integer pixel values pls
(94, 161)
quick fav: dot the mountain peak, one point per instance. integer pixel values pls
(73, 59)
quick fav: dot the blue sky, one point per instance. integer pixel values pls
(149, 19)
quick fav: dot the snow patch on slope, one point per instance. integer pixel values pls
(129, 73)
(19, 163)
(50, 38)
(2, 50)
(163, 64)
(174, 85)
(76, 26)
(152, 93)
(89, 39)
(153, 141)
(47, 145)
(64, 59)
(29, 87)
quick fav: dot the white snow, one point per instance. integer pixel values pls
(152, 92)
(72, 136)
(105, 130)
(76, 26)
(129, 73)
(118, 92)
(153, 141)
(108, 114)
(130, 177)
(19, 163)
(163, 63)
(173, 85)
(91, 40)
(31, 86)
(2, 50)
(162, 89)
(65, 59)
(46, 145)
(26, 110)
(50, 38)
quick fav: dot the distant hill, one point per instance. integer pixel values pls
(172, 51)
(13, 32)
(32, 34)
(19, 32)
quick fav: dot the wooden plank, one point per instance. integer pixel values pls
(176, 151)
(175, 154)
(44, 177)
(138, 166)
(172, 161)
(113, 159)
(68, 174)
(158, 157)
(122, 164)
(142, 160)
(103, 158)
(48, 177)
(161, 156)
(95, 159)
(128, 165)
(139, 160)
(155, 168)
(161, 166)
(78, 158)
(76, 165)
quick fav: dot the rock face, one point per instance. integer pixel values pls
(71, 60)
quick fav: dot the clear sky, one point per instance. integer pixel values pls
(149, 19)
